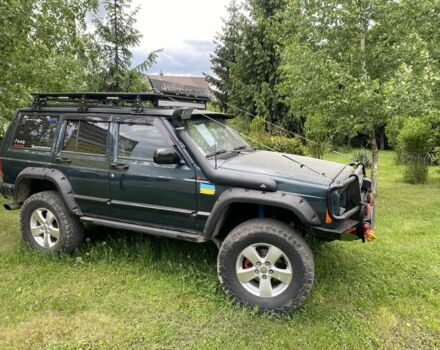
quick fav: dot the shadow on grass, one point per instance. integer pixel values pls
(335, 265)
(132, 246)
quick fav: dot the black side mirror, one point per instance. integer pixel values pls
(166, 156)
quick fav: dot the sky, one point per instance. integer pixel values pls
(184, 29)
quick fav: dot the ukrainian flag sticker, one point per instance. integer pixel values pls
(207, 189)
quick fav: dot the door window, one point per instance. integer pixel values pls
(139, 141)
(85, 137)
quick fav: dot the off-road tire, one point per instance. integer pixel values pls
(282, 236)
(70, 227)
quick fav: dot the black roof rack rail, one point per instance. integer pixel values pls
(83, 99)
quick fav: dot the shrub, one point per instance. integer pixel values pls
(258, 125)
(278, 143)
(241, 124)
(392, 131)
(434, 122)
(436, 156)
(415, 142)
(362, 156)
(317, 131)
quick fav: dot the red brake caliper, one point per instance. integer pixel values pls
(247, 263)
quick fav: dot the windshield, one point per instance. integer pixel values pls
(214, 137)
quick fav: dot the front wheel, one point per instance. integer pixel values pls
(265, 263)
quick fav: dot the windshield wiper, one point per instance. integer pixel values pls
(240, 148)
(216, 153)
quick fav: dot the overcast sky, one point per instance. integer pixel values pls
(184, 29)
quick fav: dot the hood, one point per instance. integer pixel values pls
(298, 168)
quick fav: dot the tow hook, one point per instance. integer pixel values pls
(369, 233)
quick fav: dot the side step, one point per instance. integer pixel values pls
(155, 231)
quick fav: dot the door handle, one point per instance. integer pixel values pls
(63, 160)
(117, 166)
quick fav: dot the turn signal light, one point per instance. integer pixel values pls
(369, 233)
(328, 219)
(370, 198)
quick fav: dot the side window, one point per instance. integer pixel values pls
(35, 132)
(85, 137)
(139, 141)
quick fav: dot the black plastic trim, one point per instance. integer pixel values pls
(226, 177)
(91, 199)
(55, 176)
(330, 234)
(356, 177)
(296, 204)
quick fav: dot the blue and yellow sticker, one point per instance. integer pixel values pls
(207, 189)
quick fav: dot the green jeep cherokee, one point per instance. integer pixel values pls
(162, 165)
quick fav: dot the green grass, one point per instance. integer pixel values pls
(125, 290)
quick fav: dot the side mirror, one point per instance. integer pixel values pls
(166, 156)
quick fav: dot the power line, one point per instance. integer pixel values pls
(278, 127)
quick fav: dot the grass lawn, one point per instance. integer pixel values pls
(125, 290)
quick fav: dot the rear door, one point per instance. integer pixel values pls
(83, 157)
(145, 192)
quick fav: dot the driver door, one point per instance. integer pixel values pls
(142, 191)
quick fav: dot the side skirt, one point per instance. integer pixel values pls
(155, 231)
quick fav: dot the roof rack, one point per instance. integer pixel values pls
(84, 100)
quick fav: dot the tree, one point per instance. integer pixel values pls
(246, 59)
(344, 59)
(117, 34)
(43, 46)
(224, 57)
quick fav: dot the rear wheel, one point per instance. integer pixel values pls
(48, 226)
(265, 263)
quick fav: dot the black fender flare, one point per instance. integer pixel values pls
(53, 175)
(296, 204)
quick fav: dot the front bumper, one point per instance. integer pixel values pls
(358, 221)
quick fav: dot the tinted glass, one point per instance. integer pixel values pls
(86, 137)
(139, 141)
(35, 132)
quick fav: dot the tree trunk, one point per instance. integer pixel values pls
(382, 138)
(375, 162)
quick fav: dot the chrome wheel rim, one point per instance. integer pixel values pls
(264, 270)
(44, 228)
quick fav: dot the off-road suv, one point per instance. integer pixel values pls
(140, 162)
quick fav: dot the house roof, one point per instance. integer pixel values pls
(180, 85)
(200, 82)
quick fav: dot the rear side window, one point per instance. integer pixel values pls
(139, 141)
(85, 137)
(35, 132)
